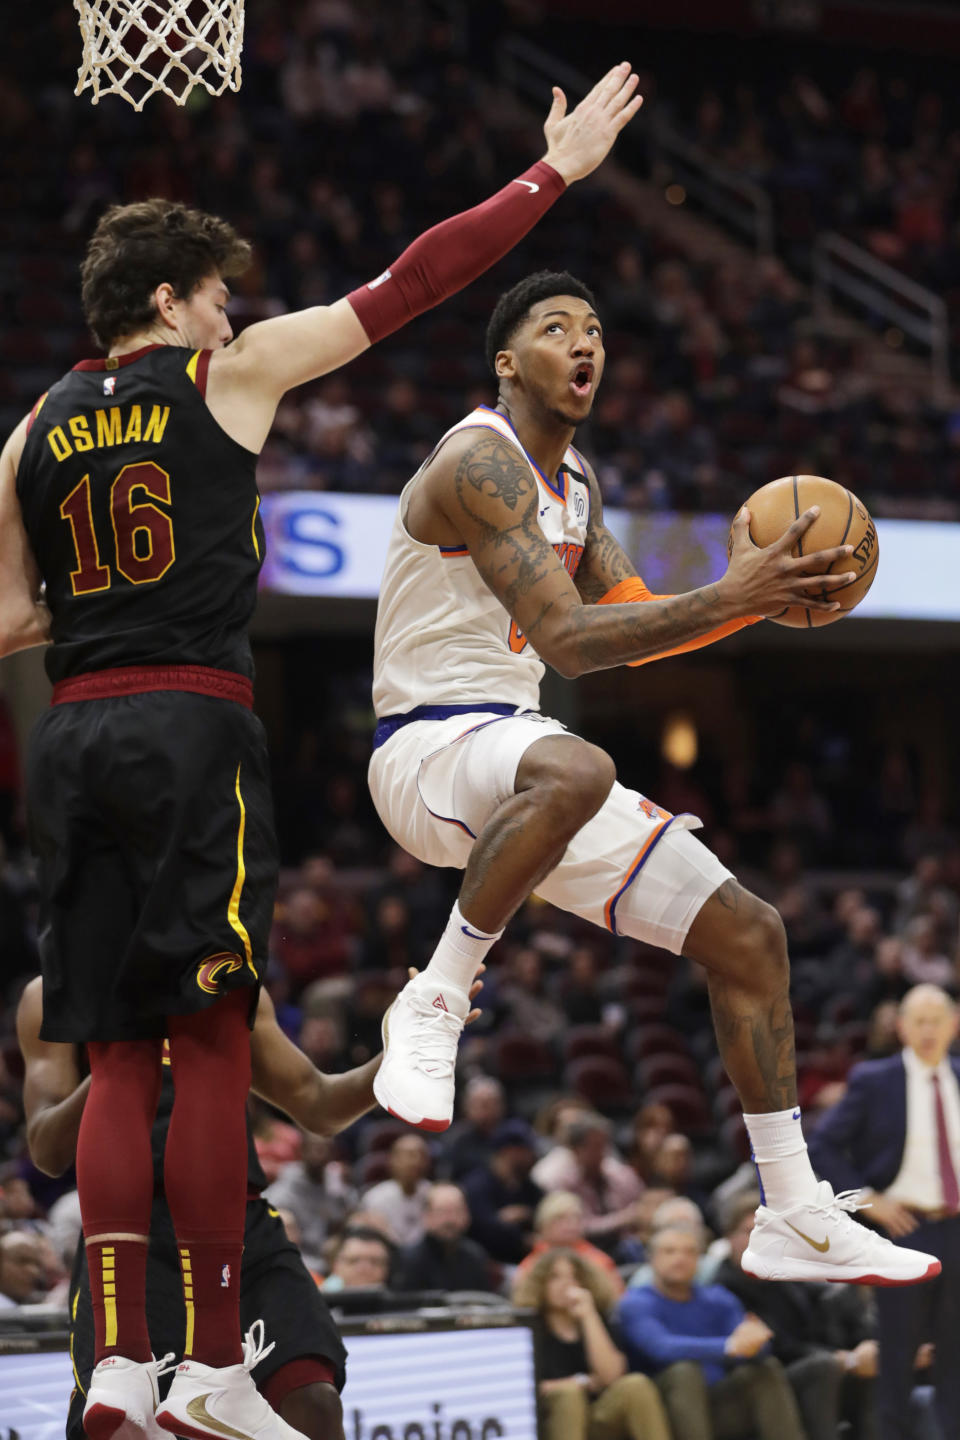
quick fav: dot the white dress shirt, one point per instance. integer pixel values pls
(918, 1180)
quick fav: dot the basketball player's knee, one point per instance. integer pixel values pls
(763, 942)
(571, 780)
(315, 1410)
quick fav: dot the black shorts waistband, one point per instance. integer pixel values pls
(390, 724)
(140, 679)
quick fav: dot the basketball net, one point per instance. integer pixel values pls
(138, 48)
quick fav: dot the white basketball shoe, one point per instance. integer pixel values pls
(122, 1398)
(207, 1402)
(421, 1032)
(820, 1241)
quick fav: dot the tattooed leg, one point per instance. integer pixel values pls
(740, 941)
(561, 783)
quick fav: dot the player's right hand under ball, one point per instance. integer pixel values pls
(762, 580)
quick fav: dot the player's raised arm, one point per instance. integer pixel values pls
(247, 379)
(24, 620)
(487, 493)
(54, 1093)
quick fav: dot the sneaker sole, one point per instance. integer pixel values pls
(108, 1422)
(813, 1270)
(389, 1101)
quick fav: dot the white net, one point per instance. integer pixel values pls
(139, 48)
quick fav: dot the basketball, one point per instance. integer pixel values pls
(843, 520)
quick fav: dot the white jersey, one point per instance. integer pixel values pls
(442, 637)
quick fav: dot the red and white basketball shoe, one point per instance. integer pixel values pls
(822, 1241)
(421, 1032)
(122, 1398)
(207, 1402)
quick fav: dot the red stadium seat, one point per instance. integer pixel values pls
(734, 1138)
(688, 1104)
(667, 1069)
(589, 1040)
(653, 1038)
(518, 1057)
(602, 1080)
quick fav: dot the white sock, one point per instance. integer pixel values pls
(460, 953)
(780, 1155)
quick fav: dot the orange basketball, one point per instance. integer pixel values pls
(843, 520)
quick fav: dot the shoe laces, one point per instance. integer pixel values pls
(165, 1365)
(840, 1205)
(254, 1348)
(436, 1035)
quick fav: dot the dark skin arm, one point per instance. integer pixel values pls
(604, 562)
(54, 1093)
(479, 491)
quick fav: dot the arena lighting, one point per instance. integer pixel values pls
(679, 742)
(675, 195)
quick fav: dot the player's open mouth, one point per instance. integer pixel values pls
(582, 382)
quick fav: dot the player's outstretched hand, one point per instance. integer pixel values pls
(576, 143)
(762, 580)
(475, 988)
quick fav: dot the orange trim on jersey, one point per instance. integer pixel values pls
(610, 909)
(36, 410)
(453, 552)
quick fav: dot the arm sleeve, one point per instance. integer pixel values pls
(642, 1328)
(633, 591)
(446, 258)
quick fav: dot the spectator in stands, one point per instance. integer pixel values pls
(525, 999)
(402, 1199)
(579, 990)
(309, 940)
(711, 1360)
(672, 1169)
(651, 1125)
(584, 1388)
(608, 1187)
(503, 1196)
(827, 1379)
(316, 1190)
(445, 1259)
(276, 1141)
(361, 1259)
(558, 1223)
(896, 1135)
(21, 1268)
(468, 1142)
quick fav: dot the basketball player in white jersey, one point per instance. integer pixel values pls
(499, 561)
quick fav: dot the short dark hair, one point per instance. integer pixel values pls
(367, 1234)
(515, 305)
(137, 247)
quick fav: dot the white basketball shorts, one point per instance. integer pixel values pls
(634, 869)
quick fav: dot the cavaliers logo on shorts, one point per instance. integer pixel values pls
(209, 971)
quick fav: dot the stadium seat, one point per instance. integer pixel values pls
(667, 1069)
(602, 1080)
(589, 1040)
(688, 1104)
(380, 1135)
(518, 1057)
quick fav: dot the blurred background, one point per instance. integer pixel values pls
(774, 252)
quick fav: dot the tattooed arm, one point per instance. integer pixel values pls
(488, 499)
(604, 562)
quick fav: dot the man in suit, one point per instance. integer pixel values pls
(896, 1134)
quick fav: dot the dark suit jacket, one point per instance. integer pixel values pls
(860, 1141)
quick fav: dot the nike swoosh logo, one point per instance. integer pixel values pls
(795, 1115)
(529, 184)
(473, 934)
(822, 1245)
(197, 1410)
